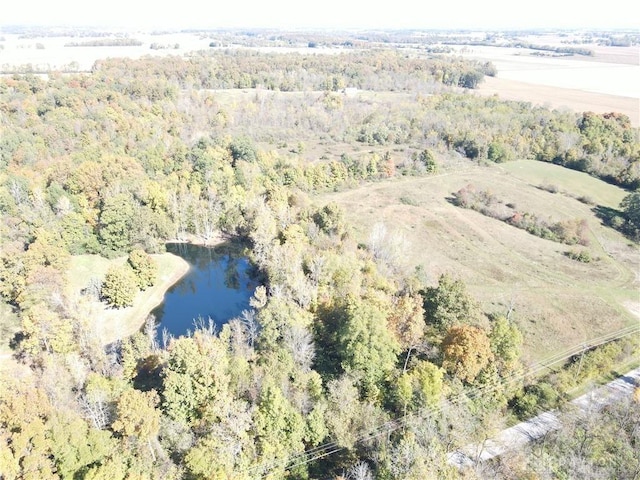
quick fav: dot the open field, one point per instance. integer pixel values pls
(608, 81)
(558, 302)
(50, 52)
(561, 98)
(113, 324)
(563, 72)
(579, 184)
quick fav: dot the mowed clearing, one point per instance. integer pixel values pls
(112, 324)
(558, 302)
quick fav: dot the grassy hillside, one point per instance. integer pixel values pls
(118, 323)
(558, 301)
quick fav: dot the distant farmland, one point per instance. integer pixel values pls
(607, 82)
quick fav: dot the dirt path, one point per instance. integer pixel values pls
(519, 435)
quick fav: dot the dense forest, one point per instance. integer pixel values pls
(345, 366)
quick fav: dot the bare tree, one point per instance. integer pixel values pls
(299, 341)
(207, 327)
(96, 409)
(240, 340)
(179, 206)
(316, 266)
(166, 338)
(18, 193)
(151, 331)
(63, 206)
(360, 471)
(248, 319)
(207, 217)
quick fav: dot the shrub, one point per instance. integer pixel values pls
(586, 199)
(571, 232)
(549, 187)
(407, 200)
(498, 153)
(579, 255)
(535, 399)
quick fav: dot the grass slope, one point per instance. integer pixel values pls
(558, 302)
(112, 324)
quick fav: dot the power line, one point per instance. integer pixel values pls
(388, 427)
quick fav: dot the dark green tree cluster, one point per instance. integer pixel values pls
(631, 212)
(379, 70)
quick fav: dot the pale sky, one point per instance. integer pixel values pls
(286, 14)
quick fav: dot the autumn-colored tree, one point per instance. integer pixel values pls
(25, 446)
(47, 250)
(45, 330)
(466, 350)
(137, 418)
(12, 274)
(144, 268)
(120, 286)
(406, 321)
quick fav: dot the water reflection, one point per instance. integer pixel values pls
(218, 286)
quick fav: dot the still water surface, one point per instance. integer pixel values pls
(218, 285)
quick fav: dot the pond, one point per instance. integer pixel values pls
(218, 285)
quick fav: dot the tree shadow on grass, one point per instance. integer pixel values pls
(609, 216)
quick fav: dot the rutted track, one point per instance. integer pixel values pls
(524, 432)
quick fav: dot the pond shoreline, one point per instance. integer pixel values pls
(217, 287)
(110, 325)
(118, 324)
(122, 323)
